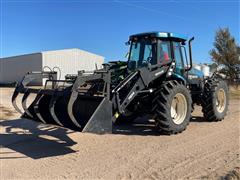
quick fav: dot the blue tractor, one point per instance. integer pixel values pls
(157, 80)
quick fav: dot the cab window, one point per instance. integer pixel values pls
(142, 53)
(177, 54)
(164, 53)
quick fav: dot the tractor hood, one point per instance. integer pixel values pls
(195, 73)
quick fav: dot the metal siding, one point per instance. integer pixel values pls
(14, 68)
(70, 61)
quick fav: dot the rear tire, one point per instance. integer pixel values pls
(172, 106)
(215, 100)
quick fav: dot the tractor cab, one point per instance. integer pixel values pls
(154, 48)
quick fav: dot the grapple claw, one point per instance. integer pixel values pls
(72, 99)
(14, 101)
(52, 109)
(24, 104)
(36, 110)
(78, 104)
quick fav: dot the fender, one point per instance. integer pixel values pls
(179, 78)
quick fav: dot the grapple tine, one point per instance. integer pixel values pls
(24, 103)
(14, 103)
(52, 111)
(36, 110)
(72, 99)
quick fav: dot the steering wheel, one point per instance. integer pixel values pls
(148, 60)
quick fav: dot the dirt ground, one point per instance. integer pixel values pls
(206, 150)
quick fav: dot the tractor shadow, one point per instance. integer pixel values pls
(145, 127)
(35, 140)
(140, 126)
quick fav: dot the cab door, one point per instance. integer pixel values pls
(177, 53)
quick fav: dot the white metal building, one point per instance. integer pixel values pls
(70, 61)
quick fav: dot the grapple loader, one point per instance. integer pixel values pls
(157, 80)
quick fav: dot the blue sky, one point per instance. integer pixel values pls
(103, 26)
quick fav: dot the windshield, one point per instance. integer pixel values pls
(142, 53)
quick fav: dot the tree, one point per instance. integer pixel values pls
(226, 53)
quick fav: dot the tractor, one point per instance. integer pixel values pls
(157, 81)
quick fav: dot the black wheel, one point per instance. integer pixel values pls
(215, 100)
(172, 107)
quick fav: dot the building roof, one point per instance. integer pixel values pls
(54, 51)
(159, 34)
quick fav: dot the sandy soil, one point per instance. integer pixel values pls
(30, 150)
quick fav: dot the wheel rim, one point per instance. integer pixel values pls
(179, 108)
(221, 100)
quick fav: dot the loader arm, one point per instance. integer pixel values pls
(136, 83)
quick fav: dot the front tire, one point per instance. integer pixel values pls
(172, 107)
(215, 100)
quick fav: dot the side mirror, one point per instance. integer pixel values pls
(132, 65)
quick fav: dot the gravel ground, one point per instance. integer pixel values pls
(206, 150)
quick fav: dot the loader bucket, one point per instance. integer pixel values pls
(80, 102)
(86, 113)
